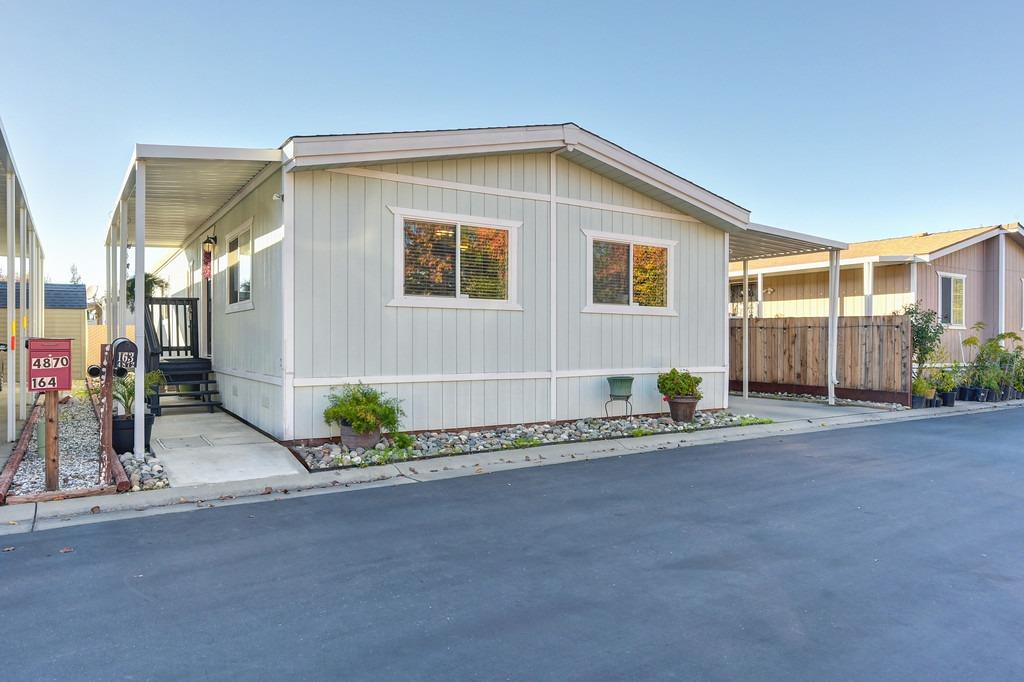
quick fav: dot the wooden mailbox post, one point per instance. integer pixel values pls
(49, 372)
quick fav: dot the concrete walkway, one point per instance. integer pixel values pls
(197, 447)
(783, 411)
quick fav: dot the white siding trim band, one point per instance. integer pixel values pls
(487, 376)
(250, 376)
(511, 193)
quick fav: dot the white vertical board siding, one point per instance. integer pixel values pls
(695, 337)
(246, 342)
(344, 279)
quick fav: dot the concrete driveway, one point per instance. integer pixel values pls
(884, 552)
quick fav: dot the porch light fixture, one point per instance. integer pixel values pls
(210, 243)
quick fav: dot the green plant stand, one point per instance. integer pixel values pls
(620, 389)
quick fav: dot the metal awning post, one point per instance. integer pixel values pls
(140, 306)
(833, 322)
(11, 376)
(21, 321)
(746, 328)
(122, 267)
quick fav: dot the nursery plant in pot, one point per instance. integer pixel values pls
(681, 391)
(918, 388)
(945, 386)
(123, 434)
(361, 414)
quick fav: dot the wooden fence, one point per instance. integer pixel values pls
(790, 354)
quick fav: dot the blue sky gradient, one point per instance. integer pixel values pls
(849, 120)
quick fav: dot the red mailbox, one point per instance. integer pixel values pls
(49, 365)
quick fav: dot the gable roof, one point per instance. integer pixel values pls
(58, 296)
(923, 245)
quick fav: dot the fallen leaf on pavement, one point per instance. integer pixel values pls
(8, 549)
(12, 523)
(95, 510)
(268, 490)
(67, 550)
(226, 497)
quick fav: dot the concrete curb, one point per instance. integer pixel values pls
(23, 518)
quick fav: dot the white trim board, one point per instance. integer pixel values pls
(493, 376)
(510, 193)
(272, 379)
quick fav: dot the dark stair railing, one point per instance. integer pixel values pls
(172, 338)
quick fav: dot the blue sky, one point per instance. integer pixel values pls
(850, 120)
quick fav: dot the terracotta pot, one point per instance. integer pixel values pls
(930, 394)
(682, 408)
(353, 440)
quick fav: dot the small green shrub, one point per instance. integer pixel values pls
(926, 330)
(403, 441)
(526, 442)
(920, 386)
(364, 409)
(750, 421)
(676, 384)
(639, 433)
(123, 388)
(946, 381)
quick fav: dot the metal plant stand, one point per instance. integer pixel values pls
(620, 389)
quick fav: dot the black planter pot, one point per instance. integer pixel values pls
(123, 436)
(948, 398)
(980, 394)
(916, 402)
(961, 393)
(936, 401)
(993, 395)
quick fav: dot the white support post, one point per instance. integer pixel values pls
(22, 320)
(869, 289)
(913, 281)
(727, 343)
(12, 378)
(746, 328)
(32, 304)
(833, 322)
(1001, 287)
(108, 309)
(140, 306)
(760, 295)
(122, 266)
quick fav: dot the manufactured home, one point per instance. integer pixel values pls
(484, 276)
(968, 276)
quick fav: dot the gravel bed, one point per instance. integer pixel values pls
(811, 398)
(79, 452)
(144, 471)
(440, 443)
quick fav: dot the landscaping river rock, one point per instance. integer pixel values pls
(440, 443)
(145, 471)
(79, 439)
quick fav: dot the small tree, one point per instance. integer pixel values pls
(926, 330)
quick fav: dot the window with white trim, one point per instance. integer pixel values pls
(239, 268)
(952, 299)
(449, 261)
(627, 274)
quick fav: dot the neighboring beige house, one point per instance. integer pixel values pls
(65, 318)
(969, 276)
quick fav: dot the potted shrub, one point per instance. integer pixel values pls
(123, 392)
(918, 388)
(945, 387)
(361, 414)
(681, 392)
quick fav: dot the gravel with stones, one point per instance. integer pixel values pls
(79, 452)
(440, 443)
(811, 398)
(145, 472)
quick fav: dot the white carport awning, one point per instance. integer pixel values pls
(765, 241)
(186, 187)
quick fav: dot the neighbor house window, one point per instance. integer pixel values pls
(952, 299)
(628, 274)
(736, 298)
(450, 261)
(239, 268)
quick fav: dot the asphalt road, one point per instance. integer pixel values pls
(886, 552)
